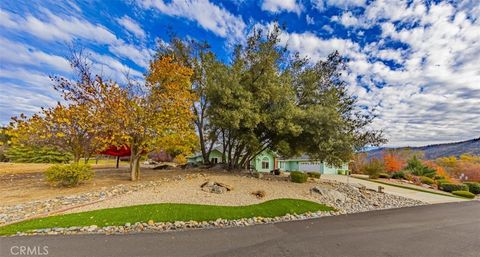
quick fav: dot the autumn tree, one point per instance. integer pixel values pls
(208, 71)
(358, 163)
(68, 128)
(439, 170)
(145, 117)
(393, 161)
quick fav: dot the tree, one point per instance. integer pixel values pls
(392, 162)
(416, 167)
(358, 163)
(253, 101)
(265, 99)
(374, 168)
(439, 170)
(333, 125)
(205, 66)
(145, 117)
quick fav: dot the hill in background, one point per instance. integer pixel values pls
(438, 150)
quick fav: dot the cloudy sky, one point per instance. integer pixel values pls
(416, 63)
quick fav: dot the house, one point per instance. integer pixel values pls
(306, 164)
(269, 160)
(215, 157)
(264, 162)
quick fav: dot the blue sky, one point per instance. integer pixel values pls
(415, 63)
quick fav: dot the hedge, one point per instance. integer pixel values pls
(465, 194)
(427, 180)
(450, 187)
(398, 175)
(473, 187)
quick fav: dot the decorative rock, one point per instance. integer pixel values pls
(215, 187)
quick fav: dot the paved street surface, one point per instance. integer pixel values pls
(450, 230)
(412, 194)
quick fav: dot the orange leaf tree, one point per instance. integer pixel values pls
(392, 162)
(155, 115)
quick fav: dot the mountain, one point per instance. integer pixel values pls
(438, 150)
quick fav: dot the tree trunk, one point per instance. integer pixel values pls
(134, 163)
(135, 166)
(76, 158)
(118, 162)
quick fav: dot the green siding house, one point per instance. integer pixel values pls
(264, 162)
(215, 157)
(268, 161)
(305, 164)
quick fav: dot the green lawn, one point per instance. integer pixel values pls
(167, 212)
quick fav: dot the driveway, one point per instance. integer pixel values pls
(412, 194)
(433, 230)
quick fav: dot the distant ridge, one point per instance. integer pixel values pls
(435, 151)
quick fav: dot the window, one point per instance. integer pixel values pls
(282, 165)
(265, 163)
(214, 160)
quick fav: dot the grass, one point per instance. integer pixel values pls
(410, 188)
(167, 212)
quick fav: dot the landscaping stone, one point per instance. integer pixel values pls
(215, 187)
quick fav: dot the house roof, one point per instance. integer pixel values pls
(303, 157)
(199, 154)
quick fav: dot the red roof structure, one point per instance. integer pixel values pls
(121, 151)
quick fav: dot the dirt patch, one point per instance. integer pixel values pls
(25, 187)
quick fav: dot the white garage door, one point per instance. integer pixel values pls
(309, 166)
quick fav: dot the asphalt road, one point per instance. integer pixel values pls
(451, 230)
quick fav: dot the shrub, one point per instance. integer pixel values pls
(374, 168)
(398, 175)
(68, 175)
(298, 177)
(473, 187)
(313, 174)
(450, 187)
(383, 175)
(465, 194)
(437, 177)
(442, 181)
(427, 180)
(342, 172)
(29, 154)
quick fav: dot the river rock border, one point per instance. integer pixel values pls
(152, 226)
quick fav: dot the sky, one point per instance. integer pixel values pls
(415, 64)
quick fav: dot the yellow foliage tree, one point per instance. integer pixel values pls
(70, 128)
(153, 116)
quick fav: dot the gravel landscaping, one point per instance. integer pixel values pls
(346, 198)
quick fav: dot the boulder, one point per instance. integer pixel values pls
(330, 193)
(216, 187)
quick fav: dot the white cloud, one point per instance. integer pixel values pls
(208, 15)
(16, 53)
(109, 67)
(62, 29)
(432, 92)
(327, 28)
(342, 4)
(347, 19)
(277, 6)
(132, 26)
(309, 19)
